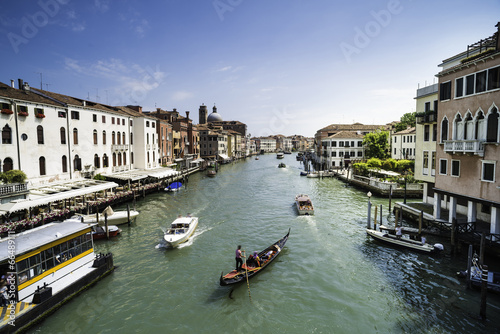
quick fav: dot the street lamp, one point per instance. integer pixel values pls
(368, 221)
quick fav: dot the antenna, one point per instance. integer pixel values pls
(41, 81)
(47, 86)
(97, 95)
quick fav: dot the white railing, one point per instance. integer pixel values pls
(116, 148)
(464, 146)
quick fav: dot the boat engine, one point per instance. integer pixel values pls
(438, 247)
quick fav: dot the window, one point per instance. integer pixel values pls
(39, 113)
(124, 158)
(41, 164)
(119, 159)
(360, 154)
(62, 132)
(95, 137)
(104, 119)
(39, 134)
(455, 168)
(434, 132)
(427, 106)
(426, 132)
(492, 126)
(494, 78)
(118, 137)
(123, 121)
(105, 160)
(77, 163)
(112, 120)
(94, 117)
(6, 135)
(459, 87)
(395, 139)
(123, 139)
(104, 137)
(64, 163)
(8, 164)
(75, 114)
(480, 82)
(114, 159)
(445, 91)
(488, 171)
(75, 136)
(96, 161)
(433, 163)
(113, 138)
(131, 157)
(444, 130)
(425, 163)
(469, 84)
(147, 124)
(360, 143)
(334, 144)
(443, 166)
(61, 114)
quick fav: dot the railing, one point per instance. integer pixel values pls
(115, 148)
(464, 146)
(13, 188)
(383, 185)
(116, 169)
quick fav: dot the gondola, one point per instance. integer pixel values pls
(234, 276)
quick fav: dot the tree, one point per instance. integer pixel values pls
(376, 144)
(13, 176)
(407, 121)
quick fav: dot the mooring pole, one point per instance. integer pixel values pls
(469, 266)
(106, 224)
(380, 223)
(390, 197)
(375, 219)
(484, 290)
(128, 214)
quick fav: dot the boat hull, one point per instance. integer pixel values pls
(403, 242)
(304, 205)
(117, 218)
(174, 240)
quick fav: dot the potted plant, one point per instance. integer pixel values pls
(40, 115)
(23, 113)
(7, 111)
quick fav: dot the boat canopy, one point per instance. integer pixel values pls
(39, 236)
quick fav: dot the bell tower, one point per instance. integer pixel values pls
(203, 114)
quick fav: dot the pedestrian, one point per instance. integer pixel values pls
(239, 261)
(399, 232)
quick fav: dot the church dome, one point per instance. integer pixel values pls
(214, 116)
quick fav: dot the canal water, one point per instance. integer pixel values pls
(330, 277)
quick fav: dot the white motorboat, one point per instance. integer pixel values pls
(313, 174)
(304, 205)
(114, 217)
(280, 155)
(404, 242)
(180, 230)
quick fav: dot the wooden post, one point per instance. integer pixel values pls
(396, 217)
(375, 219)
(368, 220)
(484, 290)
(380, 223)
(88, 208)
(453, 228)
(106, 224)
(97, 216)
(390, 197)
(481, 249)
(133, 193)
(469, 266)
(420, 221)
(128, 214)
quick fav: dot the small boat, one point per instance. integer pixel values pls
(113, 217)
(313, 174)
(476, 270)
(281, 165)
(404, 242)
(304, 205)
(288, 152)
(211, 171)
(256, 158)
(280, 155)
(99, 232)
(174, 186)
(303, 173)
(180, 230)
(267, 256)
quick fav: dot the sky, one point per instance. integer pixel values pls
(281, 67)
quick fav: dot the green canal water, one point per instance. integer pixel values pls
(330, 278)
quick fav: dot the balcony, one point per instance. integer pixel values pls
(427, 117)
(117, 148)
(475, 147)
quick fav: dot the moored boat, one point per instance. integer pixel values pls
(180, 230)
(266, 257)
(49, 266)
(211, 171)
(404, 242)
(313, 174)
(174, 186)
(280, 155)
(113, 217)
(99, 232)
(304, 205)
(476, 271)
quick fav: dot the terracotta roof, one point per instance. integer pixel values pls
(22, 95)
(347, 134)
(406, 131)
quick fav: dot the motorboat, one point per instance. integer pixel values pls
(280, 155)
(211, 171)
(281, 165)
(249, 270)
(113, 217)
(404, 242)
(476, 271)
(174, 186)
(99, 232)
(303, 173)
(304, 205)
(180, 230)
(313, 174)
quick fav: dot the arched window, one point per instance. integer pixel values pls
(148, 156)
(131, 157)
(62, 131)
(114, 159)
(147, 138)
(113, 138)
(75, 136)
(119, 159)
(96, 161)
(7, 164)
(77, 163)
(480, 133)
(131, 139)
(104, 137)
(105, 160)
(123, 139)
(444, 129)
(39, 134)
(492, 126)
(6, 135)
(124, 158)
(41, 164)
(118, 139)
(64, 162)
(468, 126)
(95, 137)
(458, 128)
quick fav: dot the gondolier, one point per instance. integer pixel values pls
(239, 261)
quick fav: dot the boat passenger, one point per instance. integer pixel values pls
(423, 240)
(239, 261)
(256, 259)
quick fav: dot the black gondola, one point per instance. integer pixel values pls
(234, 277)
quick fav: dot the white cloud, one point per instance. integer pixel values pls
(181, 95)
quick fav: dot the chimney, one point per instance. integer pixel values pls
(498, 36)
(19, 83)
(187, 114)
(84, 103)
(12, 84)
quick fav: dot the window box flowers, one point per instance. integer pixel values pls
(7, 111)
(23, 113)
(40, 116)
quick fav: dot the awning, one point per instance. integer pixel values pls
(197, 161)
(53, 193)
(163, 173)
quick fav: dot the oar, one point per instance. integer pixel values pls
(246, 273)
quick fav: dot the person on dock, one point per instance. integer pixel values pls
(399, 232)
(239, 261)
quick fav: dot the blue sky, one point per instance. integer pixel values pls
(282, 67)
